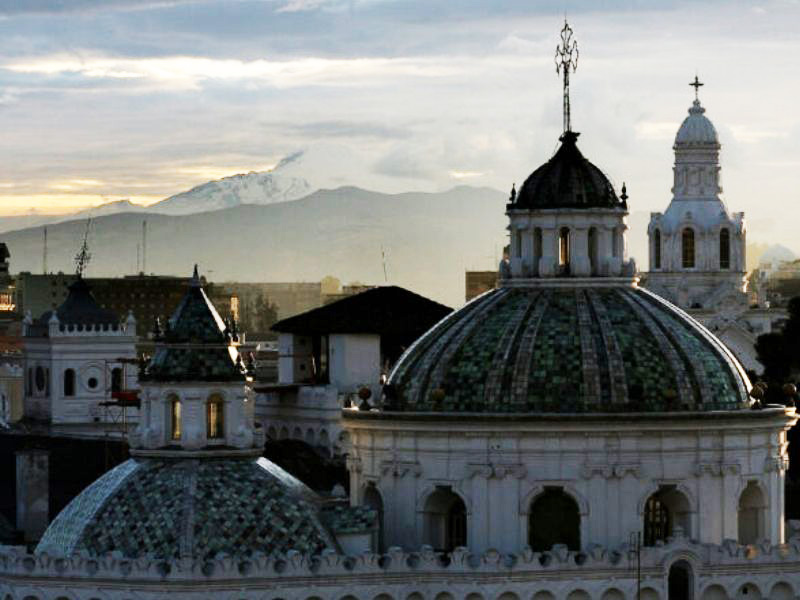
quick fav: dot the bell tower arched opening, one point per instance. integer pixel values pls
(554, 519)
(445, 520)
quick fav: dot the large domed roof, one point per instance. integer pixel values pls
(567, 180)
(567, 350)
(181, 507)
(697, 128)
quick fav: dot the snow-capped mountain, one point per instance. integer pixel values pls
(249, 188)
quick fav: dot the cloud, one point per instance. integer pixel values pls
(188, 72)
(350, 129)
(301, 5)
(32, 7)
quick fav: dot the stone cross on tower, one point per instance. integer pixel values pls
(566, 57)
(84, 256)
(696, 84)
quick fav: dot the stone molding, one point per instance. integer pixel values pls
(717, 469)
(17, 565)
(400, 468)
(610, 471)
(498, 471)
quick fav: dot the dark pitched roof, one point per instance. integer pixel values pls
(568, 180)
(81, 308)
(196, 344)
(389, 310)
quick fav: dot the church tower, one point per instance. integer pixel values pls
(697, 248)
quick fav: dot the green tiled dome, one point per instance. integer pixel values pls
(567, 350)
(198, 508)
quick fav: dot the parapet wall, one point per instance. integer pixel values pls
(724, 571)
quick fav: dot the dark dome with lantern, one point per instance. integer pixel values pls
(567, 180)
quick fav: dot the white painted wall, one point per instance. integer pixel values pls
(609, 466)
(355, 360)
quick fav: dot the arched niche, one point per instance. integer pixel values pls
(749, 591)
(752, 514)
(445, 520)
(781, 591)
(373, 498)
(543, 595)
(714, 592)
(650, 594)
(554, 518)
(507, 596)
(579, 595)
(612, 594)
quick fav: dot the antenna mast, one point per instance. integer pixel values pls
(84, 256)
(44, 253)
(566, 57)
(144, 246)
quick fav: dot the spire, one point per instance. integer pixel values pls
(566, 57)
(195, 277)
(84, 256)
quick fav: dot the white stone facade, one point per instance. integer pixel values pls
(69, 371)
(609, 466)
(596, 240)
(158, 427)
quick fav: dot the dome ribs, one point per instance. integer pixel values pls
(591, 370)
(445, 349)
(493, 389)
(721, 379)
(422, 355)
(521, 376)
(616, 362)
(683, 384)
(463, 379)
(688, 344)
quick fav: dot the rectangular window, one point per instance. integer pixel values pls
(214, 420)
(176, 419)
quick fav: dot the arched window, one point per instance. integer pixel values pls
(537, 249)
(657, 249)
(724, 249)
(687, 248)
(752, 509)
(563, 250)
(665, 512)
(373, 499)
(174, 417)
(215, 417)
(517, 243)
(554, 519)
(592, 250)
(116, 379)
(69, 382)
(40, 381)
(445, 520)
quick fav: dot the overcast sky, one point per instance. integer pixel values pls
(108, 99)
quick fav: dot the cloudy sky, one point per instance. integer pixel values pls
(108, 99)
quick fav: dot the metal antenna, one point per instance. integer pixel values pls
(144, 246)
(383, 259)
(696, 85)
(566, 57)
(84, 256)
(44, 253)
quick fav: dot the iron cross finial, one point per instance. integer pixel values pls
(696, 85)
(566, 58)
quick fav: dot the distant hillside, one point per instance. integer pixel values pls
(429, 240)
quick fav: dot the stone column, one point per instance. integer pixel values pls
(33, 493)
(579, 253)
(549, 258)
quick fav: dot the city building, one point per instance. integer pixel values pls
(338, 355)
(478, 282)
(147, 296)
(74, 358)
(698, 248)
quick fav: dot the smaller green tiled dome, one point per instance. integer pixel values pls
(567, 350)
(198, 508)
